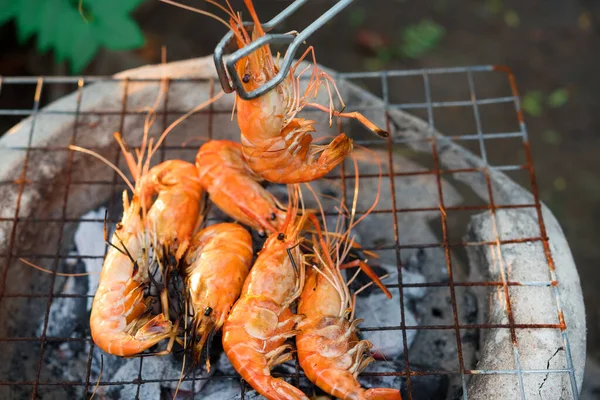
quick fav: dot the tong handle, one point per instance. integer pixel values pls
(228, 76)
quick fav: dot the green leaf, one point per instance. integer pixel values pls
(67, 28)
(50, 17)
(119, 33)
(84, 47)
(111, 8)
(28, 18)
(558, 98)
(420, 38)
(532, 103)
(7, 11)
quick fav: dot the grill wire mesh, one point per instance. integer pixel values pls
(430, 108)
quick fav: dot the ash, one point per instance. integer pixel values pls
(158, 377)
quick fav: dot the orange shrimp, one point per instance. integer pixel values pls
(234, 188)
(175, 214)
(168, 224)
(116, 321)
(261, 320)
(329, 351)
(277, 145)
(162, 216)
(217, 264)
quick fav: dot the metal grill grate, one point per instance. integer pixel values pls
(479, 139)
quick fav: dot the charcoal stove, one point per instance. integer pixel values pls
(487, 301)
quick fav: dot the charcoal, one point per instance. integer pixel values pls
(221, 388)
(67, 313)
(378, 311)
(429, 387)
(89, 240)
(223, 366)
(164, 369)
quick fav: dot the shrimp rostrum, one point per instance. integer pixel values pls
(261, 320)
(276, 144)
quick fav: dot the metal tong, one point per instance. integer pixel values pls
(228, 76)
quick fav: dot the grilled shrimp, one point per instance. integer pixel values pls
(175, 214)
(217, 264)
(163, 215)
(261, 320)
(116, 321)
(277, 145)
(166, 224)
(329, 351)
(234, 188)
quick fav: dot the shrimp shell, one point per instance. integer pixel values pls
(217, 264)
(234, 188)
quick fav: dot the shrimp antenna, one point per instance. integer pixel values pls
(135, 264)
(104, 160)
(32, 265)
(182, 118)
(197, 10)
(99, 376)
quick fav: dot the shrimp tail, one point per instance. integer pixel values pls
(383, 394)
(336, 152)
(276, 388)
(156, 329)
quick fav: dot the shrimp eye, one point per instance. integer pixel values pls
(281, 236)
(273, 216)
(246, 78)
(119, 226)
(208, 311)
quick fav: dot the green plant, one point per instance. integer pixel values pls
(558, 98)
(533, 101)
(420, 38)
(74, 30)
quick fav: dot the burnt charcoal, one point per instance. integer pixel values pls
(67, 313)
(157, 369)
(378, 311)
(409, 277)
(469, 307)
(416, 261)
(223, 366)
(426, 387)
(221, 388)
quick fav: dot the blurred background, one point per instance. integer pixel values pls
(551, 45)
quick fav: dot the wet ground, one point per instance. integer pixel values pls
(551, 45)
